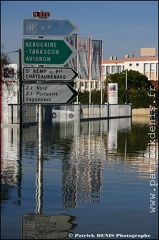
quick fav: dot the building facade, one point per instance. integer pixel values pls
(145, 65)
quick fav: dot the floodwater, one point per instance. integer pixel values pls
(92, 180)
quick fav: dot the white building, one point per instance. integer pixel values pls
(146, 63)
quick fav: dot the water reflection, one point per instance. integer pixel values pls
(82, 171)
(81, 166)
(42, 226)
(10, 156)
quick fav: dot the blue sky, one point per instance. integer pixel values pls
(124, 26)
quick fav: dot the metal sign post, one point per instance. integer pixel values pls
(47, 52)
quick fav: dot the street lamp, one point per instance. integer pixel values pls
(126, 86)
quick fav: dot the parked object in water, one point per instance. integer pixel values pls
(61, 113)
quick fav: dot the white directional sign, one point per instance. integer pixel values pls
(45, 93)
(48, 27)
(49, 74)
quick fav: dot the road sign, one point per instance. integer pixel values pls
(46, 93)
(41, 14)
(47, 52)
(49, 74)
(48, 27)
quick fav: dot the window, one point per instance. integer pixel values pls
(113, 69)
(130, 64)
(118, 69)
(107, 69)
(137, 64)
(146, 67)
(152, 67)
(103, 69)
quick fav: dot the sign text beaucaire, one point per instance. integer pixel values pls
(47, 52)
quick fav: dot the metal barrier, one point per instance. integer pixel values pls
(75, 112)
(29, 113)
(100, 111)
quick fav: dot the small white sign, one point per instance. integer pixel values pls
(113, 93)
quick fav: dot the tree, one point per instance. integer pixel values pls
(5, 60)
(135, 80)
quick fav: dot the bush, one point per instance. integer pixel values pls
(138, 98)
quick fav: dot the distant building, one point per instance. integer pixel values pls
(146, 63)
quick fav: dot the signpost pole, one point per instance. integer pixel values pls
(40, 158)
(20, 87)
(40, 125)
(46, 52)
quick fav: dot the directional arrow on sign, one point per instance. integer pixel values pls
(49, 74)
(42, 93)
(48, 27)
(47, 52)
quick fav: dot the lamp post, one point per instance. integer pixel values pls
(20, 86)
(126, 86)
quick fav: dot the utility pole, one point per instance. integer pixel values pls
(126, 86)
(20, 88)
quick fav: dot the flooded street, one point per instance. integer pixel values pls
(95, 180)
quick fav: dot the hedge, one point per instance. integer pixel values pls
(138, 98)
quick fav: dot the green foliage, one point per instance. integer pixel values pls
(140, 99)
(137, 92)
(138, 87)
(96, 96)
(135, 80)
(5, 60)
(83, 97)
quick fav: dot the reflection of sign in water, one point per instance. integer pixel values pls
(112, 135)
(39, 226)
(113, 93)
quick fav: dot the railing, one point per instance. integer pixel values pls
(29, 113)
(99, 111)
(80, 112)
